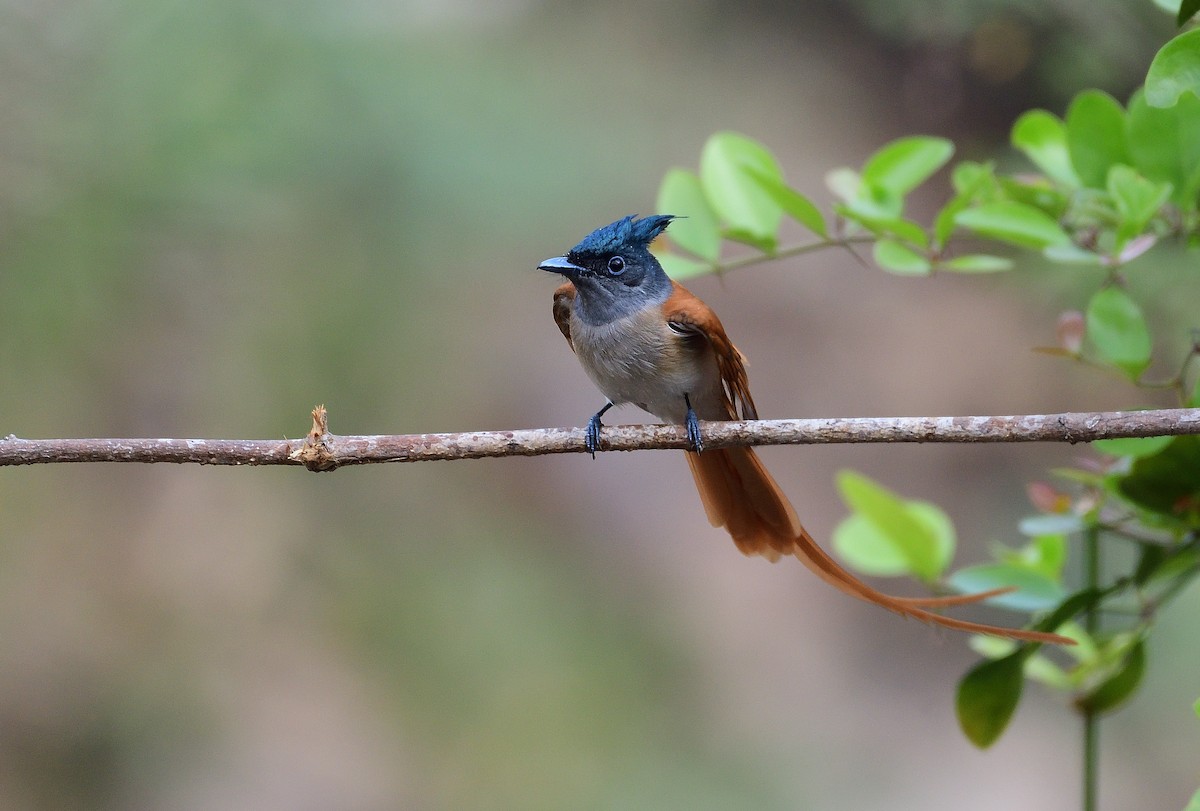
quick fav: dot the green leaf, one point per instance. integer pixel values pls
(912, 537)
(1096, 136)
(1048, 555)
(1137, 447)
(1072, 255)
(1137, 199)
(1149, 563)
(1165, 145)
(844, 182)
(726, 166)
(680, 267)
(991, 647)
(1187, 10)
(1050, 524)
(1180, 564)
(1175, 70)
(883, 226)
(1035, 191)
(906, 230)
(1167, 482)
(1037, 667)
(902, 165)
(1068, 608)
(1194, 803)
(876, 197)
(1042, 136)
(1194, 400)
(976, 263)
(900, 259)
(987, 698)
(1035, 591)
(943, 223)
(697, 230)
(975, 181)
(873, 206)
(764, 244)
(1040, 669)
(1118, 687)
(1084, 651)
(1015, 223)
(794, 204)
(868, 549)
(1118, 331)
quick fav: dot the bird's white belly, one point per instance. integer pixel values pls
(640, 360)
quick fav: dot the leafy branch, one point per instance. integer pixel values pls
(1111, 184)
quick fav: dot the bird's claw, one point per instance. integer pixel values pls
(591, 437)
(693, 430)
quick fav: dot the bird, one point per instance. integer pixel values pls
(644, 339)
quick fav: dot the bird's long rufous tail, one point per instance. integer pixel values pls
(740, 495)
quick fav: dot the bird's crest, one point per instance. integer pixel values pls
(627, 232)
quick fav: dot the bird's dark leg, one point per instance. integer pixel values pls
(693, 427)
(591, 438)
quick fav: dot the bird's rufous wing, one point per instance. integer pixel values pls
(564, 298)
(688, 315)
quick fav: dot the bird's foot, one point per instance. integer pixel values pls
(693, 427)
(591, 437)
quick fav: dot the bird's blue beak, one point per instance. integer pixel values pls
(559, 264)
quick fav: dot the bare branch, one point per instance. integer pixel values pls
(321, 450)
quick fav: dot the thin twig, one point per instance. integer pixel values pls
(321, 450)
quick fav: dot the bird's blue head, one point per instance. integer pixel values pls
(613, 271)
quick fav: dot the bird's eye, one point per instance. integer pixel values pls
(616, 266)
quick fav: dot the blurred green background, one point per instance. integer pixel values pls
(214, 215)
